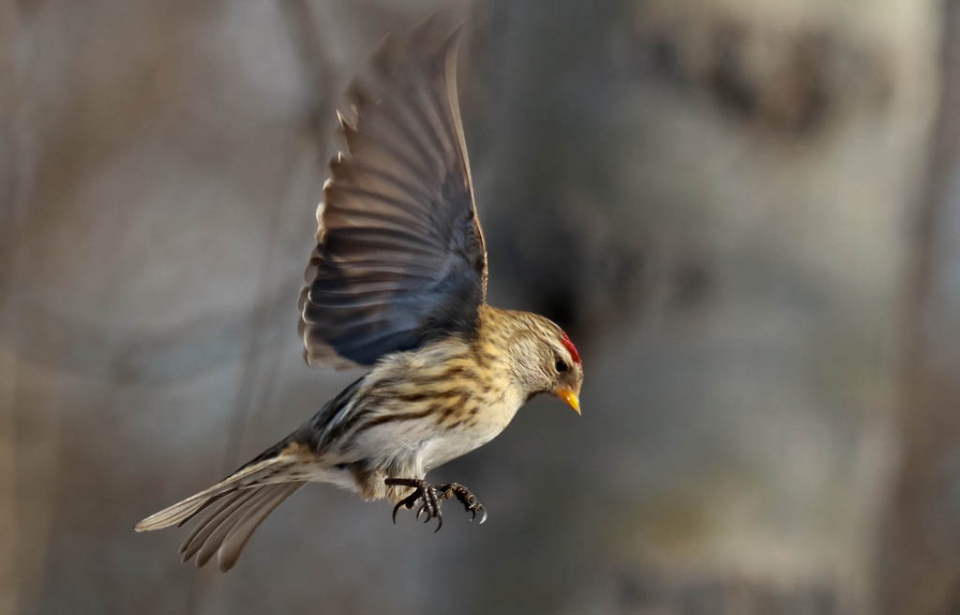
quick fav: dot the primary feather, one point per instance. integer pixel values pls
(400, 258)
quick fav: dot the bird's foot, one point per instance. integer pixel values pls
(422, 490)
(433, 497)
(469, 501)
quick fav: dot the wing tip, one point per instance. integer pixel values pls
(435, 33)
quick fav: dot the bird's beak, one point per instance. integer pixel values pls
(569, 396)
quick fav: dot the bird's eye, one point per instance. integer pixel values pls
(562, 366)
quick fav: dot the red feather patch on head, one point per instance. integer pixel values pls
(565, 340)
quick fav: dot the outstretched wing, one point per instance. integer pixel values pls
(400, 257)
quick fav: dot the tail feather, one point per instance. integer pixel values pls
(232, 532)
(236, 540)
(181, 512)
(233, 508)
(225, 505)
(226, 529)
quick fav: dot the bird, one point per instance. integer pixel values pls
(396, 284)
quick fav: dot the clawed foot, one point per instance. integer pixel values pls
(422, 491)
(432, 498)
(463, 495)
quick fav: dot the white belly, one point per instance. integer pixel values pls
(449, 444)
(421, 445)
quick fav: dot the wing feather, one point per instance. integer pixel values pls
(400, 257)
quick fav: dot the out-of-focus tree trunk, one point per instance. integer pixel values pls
(732, 215)
(8, 193)
(920, 563)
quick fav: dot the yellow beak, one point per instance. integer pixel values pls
(570, 397)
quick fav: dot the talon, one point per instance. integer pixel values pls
(431, 498)
(478, 508)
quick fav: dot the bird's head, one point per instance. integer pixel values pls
(546, 361)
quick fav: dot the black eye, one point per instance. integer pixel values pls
(562, 366)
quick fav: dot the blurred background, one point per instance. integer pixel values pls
(746, 214)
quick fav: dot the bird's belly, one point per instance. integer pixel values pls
(456, 442)
(414, 446)
(448, 444)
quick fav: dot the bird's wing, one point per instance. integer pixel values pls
(400, 257)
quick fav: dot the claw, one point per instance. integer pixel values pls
(432, 498)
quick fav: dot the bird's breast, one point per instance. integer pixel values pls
(478, 422)
(435, 404)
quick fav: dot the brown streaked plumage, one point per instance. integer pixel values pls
(396, 283)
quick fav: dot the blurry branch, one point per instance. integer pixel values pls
(317, 72)
(109, 353)
(920, 563)
(258, 371)
(260, 368)
(11, 95)
(11, 571)
(66, 341)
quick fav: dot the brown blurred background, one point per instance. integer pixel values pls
(747, 214)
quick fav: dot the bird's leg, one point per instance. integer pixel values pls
(422, 490)
(463, 495)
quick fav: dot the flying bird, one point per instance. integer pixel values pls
(396, 284)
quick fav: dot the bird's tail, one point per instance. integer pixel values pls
(234, 507)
